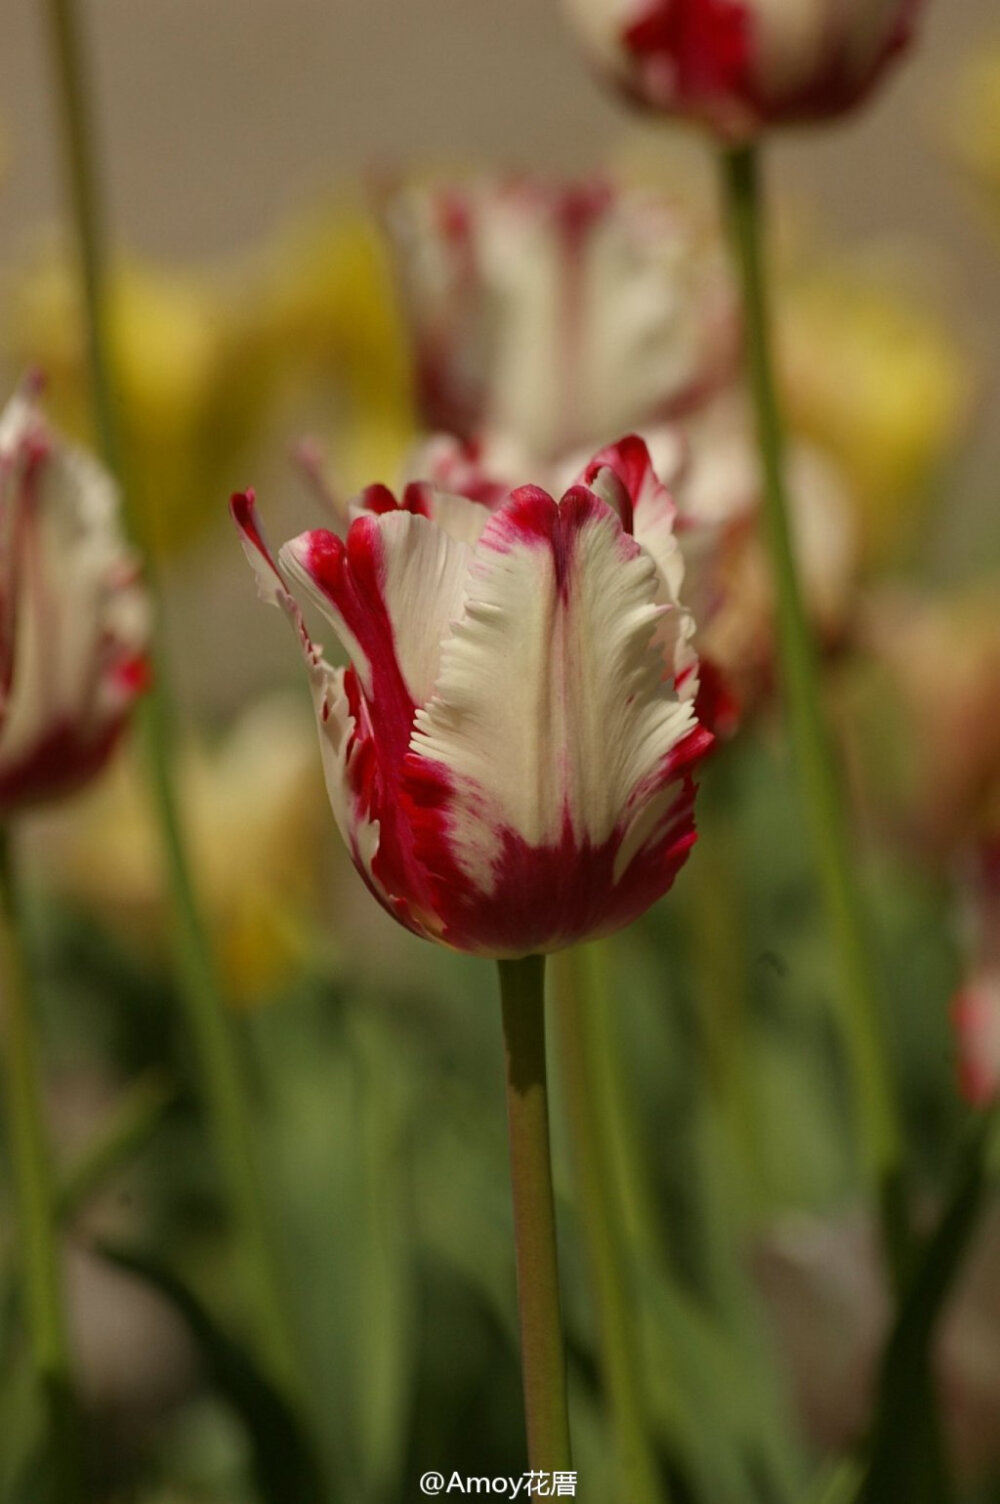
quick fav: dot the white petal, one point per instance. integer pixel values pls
(552, 703)
(391, 595)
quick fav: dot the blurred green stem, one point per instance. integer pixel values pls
(543, 1358)
(33, 1182)
(824, 804)
(210, 1026)
(589, 1103)
(716, 920)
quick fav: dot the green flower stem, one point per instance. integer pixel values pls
(543, 1358)
(209, 1023)
(716, 923)
(642, 1228)
(602, 1220)
(33, 1183)
(882, 1136)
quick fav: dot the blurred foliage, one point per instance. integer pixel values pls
(381, 1121)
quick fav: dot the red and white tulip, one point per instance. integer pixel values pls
(74, 616)
(740, 66)
(510, 753)
(562, 314)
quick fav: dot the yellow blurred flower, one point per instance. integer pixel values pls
(877, 379)
(972, 118)
(192, 386)
(249, 806)
(328, 312)
(212, 363)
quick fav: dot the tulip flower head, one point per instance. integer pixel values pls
(562, 314)
(74, 617)
(739, 66)
(510, 754)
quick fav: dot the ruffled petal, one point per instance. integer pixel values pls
(365, 712)
(654, 514)
(441, 496)
(390, 591)
(550, 771)
(623, 475)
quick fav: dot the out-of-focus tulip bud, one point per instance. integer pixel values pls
(874, 376)
(76, 614)
(510, 755)
(561, 314)
(254, 853)
(740, 66)
(718, 488)
(933, 669)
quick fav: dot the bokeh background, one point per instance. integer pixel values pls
(230, 130)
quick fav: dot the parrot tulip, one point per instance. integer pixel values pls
(510, 753)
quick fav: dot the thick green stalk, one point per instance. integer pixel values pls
(33, 1184)
(602, 1222)
(543, 1358)
(210, 1026)
(824, 805)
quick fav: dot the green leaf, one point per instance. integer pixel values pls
(284, 1467)
(905, 1460)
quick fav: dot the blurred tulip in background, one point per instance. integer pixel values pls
(740, 66)
(76, 613)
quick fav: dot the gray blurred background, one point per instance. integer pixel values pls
(217, 117)
(217, 114)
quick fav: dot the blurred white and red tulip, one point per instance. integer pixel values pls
(75, 613)
(563, 314)
(741, 66)
(510, 754)
(546, 320)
